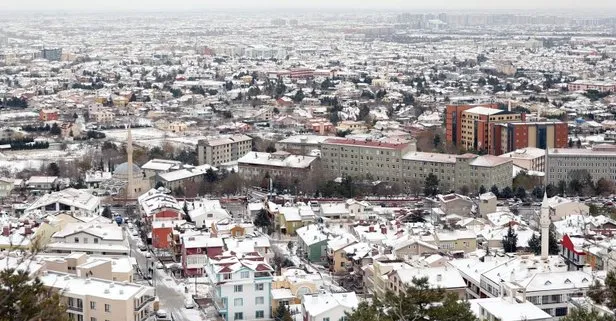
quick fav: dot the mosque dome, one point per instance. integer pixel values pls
(121, 171)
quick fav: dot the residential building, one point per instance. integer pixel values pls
(278, 165)
(52, 54)
(118, 269)
(510, 136)
(338, 261)
(455, 204)
(561, 207)
(443, 277)
(68, 200)
(599, 162)
(328, 306)
(156, 205)
(293, 283)
(96, 237)
(48, 114)
(97, 299)
(312, 243)
(223, 149)
(195, 251)
(103, 116)
(241, 286)
(294, 217)
(159, 166)
(506, 308)
(456, 241)
(203, 212)
(530, 159)
(42, 183)
(6, 187)
(362, 158)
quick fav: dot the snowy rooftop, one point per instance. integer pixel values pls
(508, 310)
(267, 159)
(78, 199)
(316, 304)
(71, 285)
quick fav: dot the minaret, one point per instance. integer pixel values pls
(129, 156)
(544, 223)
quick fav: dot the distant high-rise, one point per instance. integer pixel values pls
(52, 54)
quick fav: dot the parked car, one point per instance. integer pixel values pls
(189, 303)
(142, 247)
(163, 315)
(159, 265)
(148, 255)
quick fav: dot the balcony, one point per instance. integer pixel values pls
(262, 275)
(73, 308)
(145, 300)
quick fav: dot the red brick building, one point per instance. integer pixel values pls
(48, 114)
(195, 251)
(453, 120)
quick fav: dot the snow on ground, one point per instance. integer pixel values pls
(20, 160)
(16, 115)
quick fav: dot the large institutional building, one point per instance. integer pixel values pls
(496, 131)
(401, 163)
(600, 162)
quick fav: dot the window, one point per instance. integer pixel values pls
(76, 240)
(226, 276)
(325, 319)
(92, 319)
(239, 316)
(92, 305)
(259, 300)
(259, 315)
(560, 312)
(85, 240)
(95, 241)
(259, 287)
(245, 274)
(107, 308)
(238, 302)
(238, 288)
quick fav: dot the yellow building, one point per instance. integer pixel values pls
(475, 122)
(337, 257)
(291, 285)
(456, 241)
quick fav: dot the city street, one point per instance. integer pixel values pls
(171, 296)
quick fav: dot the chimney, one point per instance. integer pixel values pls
(383, 230)
(371, 229)
(6, 230)
(27, 230)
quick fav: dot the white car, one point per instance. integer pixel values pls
(148, 255)
(135, 233)
(159, 265)
(189, 303)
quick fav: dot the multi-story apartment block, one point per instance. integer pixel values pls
(241, 286)
(54, 54)
(509, 136)
(529, 158)
(357, 158)
(301, 144)
(600, 162)
(94, 237)
(90, 299)
(224, 149)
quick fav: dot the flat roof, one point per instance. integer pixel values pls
(364, 143)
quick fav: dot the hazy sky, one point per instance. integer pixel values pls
(150, 5)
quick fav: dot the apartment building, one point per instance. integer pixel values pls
(278, 165)
(364, 158)
(529, 158)
(600, 162)
(93, 299)
(241, 286)
(103, 116)
(223, 149)
(510, 136)
(68, 200)
(94, 237)
(181, 178)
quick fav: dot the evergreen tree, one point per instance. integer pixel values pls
(534, 244)
(107, 212)
(553, 248)
(482, 189)
(431, 185)
(282, 313)
(419, 301)
(507, 192)
(494, 190)
(510, 241)
(262, 219)
(23, 298)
